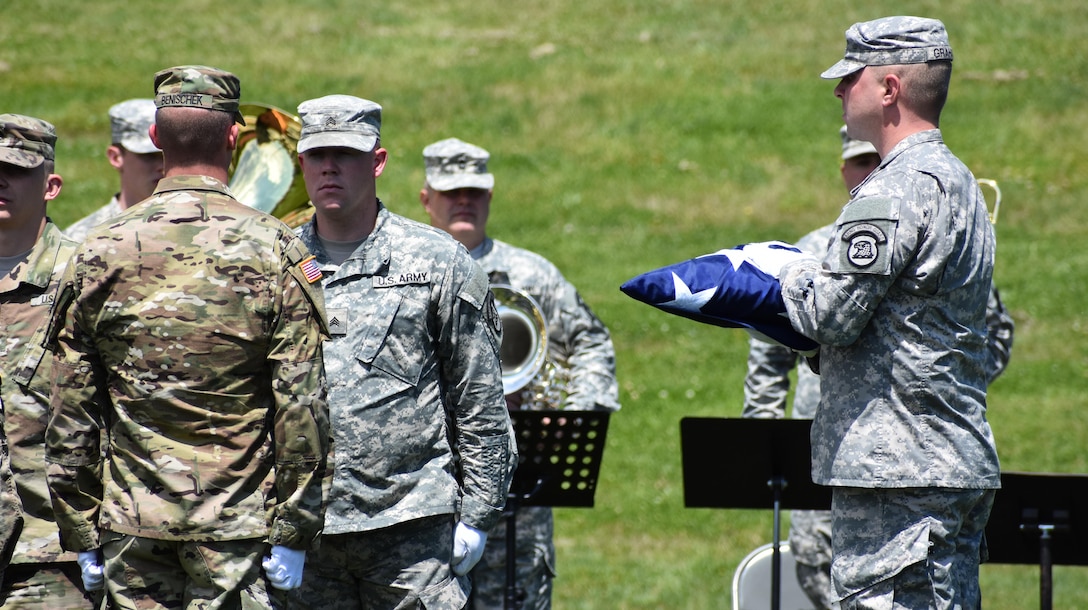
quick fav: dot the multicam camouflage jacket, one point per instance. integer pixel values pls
(414, 380)
(188, 330)
(27, 295)
(898, 304)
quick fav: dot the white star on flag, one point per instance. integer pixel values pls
(735, 256)
(684, 299)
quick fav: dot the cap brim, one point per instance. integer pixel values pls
(20, 158)
(337, 139)
(141, 145)
(451, 182)
(844, 67)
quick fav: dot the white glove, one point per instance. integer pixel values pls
(90, 568)
(770, 256)
(468, 548)
(284, 567)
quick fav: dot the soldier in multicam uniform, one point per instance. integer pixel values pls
(33, 254)
(767, 384)
(898, 304)
(135, 157)
(425, 450)
(457, 197)
(190, 332)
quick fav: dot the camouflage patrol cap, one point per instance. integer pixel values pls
(891, 41)
(339, 121)
(26, 141)
(130, 121)
(452, 164)
(855, 148)
(198, 87)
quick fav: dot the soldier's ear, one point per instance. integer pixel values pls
(53, 184)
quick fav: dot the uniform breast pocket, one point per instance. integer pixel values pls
(395, 346)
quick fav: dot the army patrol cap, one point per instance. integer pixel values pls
(198, 87)
(26, 141)
(129, 124)
(339, 121)
(855, 148)
(452, 164)
(892, 41)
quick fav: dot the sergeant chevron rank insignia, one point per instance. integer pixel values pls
(338, 321)
(402, 279)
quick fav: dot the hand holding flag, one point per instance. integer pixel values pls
(733, 288)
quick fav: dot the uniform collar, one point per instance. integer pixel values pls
(38, 267)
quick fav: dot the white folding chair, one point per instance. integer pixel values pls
(752, 581)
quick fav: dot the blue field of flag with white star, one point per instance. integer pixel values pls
(724, 288)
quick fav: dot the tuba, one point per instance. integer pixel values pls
(524, 346)
(530, 379)
(264, 173)
(997, 197)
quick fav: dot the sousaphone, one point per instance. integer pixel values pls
(265, 173)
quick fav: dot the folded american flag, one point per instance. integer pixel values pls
(734, 288)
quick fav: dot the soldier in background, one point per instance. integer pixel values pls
(190, 329)
(457, 198)
(33, 254)
(135, 157)
(425, 451)
(767, 384)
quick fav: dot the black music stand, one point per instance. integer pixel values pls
(1040, 518)
(559, 459)
(751, 463)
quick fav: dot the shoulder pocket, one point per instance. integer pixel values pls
(865, 236)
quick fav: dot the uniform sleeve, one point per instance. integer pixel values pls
(469, 336)
(303, 441)
(831, 301)
(11, 518)
(589, 353)
(768, 380)
(72, 437)
(999, 329)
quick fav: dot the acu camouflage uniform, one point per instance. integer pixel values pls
(27, 295)
(189, 332)
(129, 124)
(903, 396)
(765, 388)
(579, 343)
(78, 230)
(415, 389)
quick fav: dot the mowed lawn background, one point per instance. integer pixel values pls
(625, 136)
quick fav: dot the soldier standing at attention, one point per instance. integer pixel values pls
(425, 451)
(190, 329)
(33, 254)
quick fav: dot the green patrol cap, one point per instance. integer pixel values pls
(26, 141)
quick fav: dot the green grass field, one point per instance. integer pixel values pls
(627, 135)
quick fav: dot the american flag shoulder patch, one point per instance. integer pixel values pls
(310, 269)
